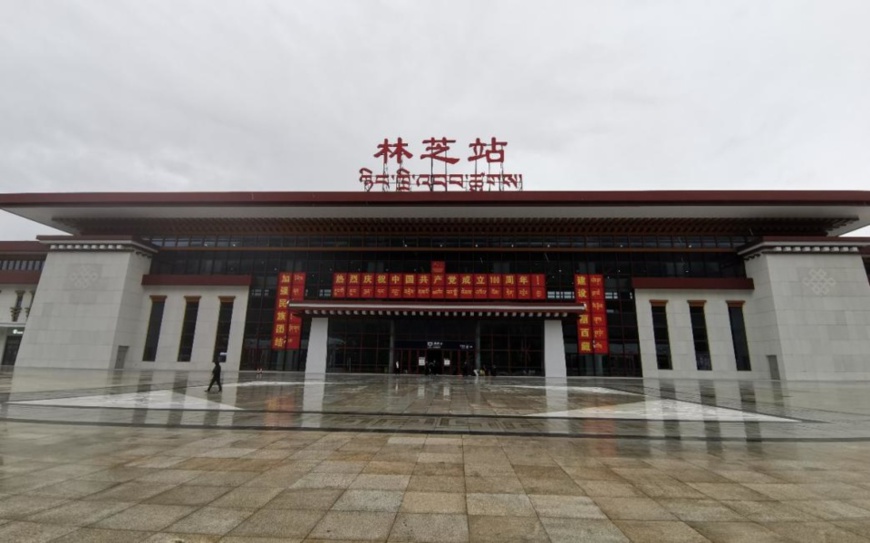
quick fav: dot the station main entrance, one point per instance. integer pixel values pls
(418, 345)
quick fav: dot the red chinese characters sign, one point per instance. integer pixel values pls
(592, 325)
(287, 325)
(439, 285)
(438, 152)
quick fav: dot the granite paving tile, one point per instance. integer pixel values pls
(279, 523)
(325, 480)
(31, 532)
(19, 507)
(570, 530)
(633, 508)
(700, 510)
(381, 482)
(189, 495)
(360, 525)
(659, 531)
(369, 500)
(430, 528)
(80, 513)
(210, 520)
(813, 532)
(566, 506)
(513, 505)
(433, 502)
(145, 517)
(132, 491)
(246, 498)
(97, 535)
(737, 532)
(315, 499)
(436, 483)
(500, 529)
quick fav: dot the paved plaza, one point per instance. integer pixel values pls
(151, 456)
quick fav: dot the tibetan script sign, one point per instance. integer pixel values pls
(437, 151)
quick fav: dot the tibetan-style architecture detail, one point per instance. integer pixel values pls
(716, 284)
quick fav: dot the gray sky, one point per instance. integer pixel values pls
(124, 95)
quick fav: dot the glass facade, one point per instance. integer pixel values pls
(363, 343)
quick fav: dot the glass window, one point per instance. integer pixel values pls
(738, 336)
(152, 336)
(188, 329)
(661, 337)
(699, 336)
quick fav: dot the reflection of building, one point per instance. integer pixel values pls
(696, 284)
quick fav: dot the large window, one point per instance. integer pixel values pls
(661, 336)
(152, 337)
(699, 335)
(738, 336)
(222, 334)
(188, 328)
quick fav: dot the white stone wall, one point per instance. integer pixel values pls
(206, 327)
(811, 311)
(85, 307)
(555, 364)
(680, 330)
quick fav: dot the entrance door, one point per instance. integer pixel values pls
(10, 352)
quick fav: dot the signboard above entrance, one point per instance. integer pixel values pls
(438, 150)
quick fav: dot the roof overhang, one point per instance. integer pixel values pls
(839, 211)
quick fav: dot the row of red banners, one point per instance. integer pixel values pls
(451, 286)
(592, 325)
(287, 327)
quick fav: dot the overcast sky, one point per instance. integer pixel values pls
(177, 95)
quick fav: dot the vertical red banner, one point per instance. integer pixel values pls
(409, 285)
(509, 286)
(481, 286)
(451, 286)
(466, 286)
(438, 285)
(368, 286)
(354, 283)
(297, 290)
(495, 292)
(281, 318)
(294, 332)
(598, 310)
(539, 286)
(382, 284)
(395, 285)
(524, 287)
(339, 285)
(581, 288)
(424, 285)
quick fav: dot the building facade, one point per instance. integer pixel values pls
(692, 284)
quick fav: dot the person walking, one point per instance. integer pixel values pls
(215, 377)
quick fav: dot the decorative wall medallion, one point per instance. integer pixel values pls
(83, 276)
(818, 281)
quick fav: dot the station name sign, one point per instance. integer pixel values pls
(437, 151)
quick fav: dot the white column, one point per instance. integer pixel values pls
(554, 349)
(318, 338)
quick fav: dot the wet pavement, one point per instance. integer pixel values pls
(150, 456)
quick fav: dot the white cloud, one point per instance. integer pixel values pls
(208, 95)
